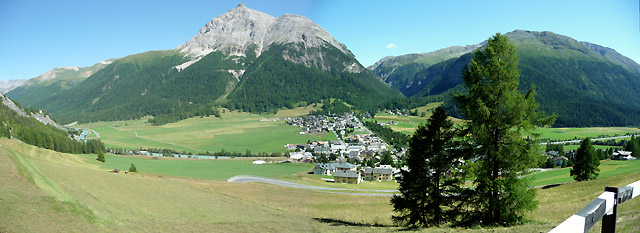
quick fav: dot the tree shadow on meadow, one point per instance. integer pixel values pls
(337, 222)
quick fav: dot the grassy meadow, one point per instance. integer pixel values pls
(233, 132)
(409, 124)
(608, 168)
(46, 191)
(593, 132)
(220, 169)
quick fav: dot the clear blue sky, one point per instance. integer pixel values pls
(36, 36)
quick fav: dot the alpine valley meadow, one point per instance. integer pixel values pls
(270, 124)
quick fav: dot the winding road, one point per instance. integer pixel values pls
(593, 139)
(244, 179)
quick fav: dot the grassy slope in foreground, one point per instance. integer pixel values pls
(234, 132)
(43, 191)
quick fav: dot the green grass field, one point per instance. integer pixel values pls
(593, 132)
(46, 191)
(220, 169)
(575, 147)
(234, 132)
(408, 124)
(608, 168)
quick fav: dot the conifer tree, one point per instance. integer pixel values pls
(498, 116)
(633, 147)
(101, 156)
(431, 186)
(587, 162)
(133, 168)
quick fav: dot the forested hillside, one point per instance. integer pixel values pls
(576, 82)
(31, 131)
(53, 82)
(273, 83)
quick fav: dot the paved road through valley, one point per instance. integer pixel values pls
(244, 179)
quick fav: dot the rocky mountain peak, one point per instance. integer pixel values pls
(232, 33)
(242, 28)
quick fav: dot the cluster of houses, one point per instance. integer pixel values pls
(314, 124)
(350, 174)
(355, 146)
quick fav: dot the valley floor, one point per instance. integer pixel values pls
(46, 191)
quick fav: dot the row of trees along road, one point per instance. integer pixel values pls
(498, 115)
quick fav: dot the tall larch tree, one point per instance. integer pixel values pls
(431, 186)
(498, 116)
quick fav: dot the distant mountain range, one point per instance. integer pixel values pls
(585, 84)
(250, 61)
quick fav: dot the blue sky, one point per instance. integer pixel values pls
(36, 36)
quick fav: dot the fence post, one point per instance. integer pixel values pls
(609, 219)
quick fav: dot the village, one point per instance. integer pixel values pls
(357, 155)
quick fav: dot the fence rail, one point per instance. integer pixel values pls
(604, 207)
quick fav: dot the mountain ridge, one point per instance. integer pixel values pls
(228, 63)
(241, 29)
(597, 85)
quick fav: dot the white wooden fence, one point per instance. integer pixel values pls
(605, 207)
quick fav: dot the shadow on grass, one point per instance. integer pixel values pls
(336, 222)
(551, 186)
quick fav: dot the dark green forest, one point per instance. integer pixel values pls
(33, 132)
(274, 83)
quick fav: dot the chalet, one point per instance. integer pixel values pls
(377, 174)
(347, 177)
(302, 147)
(337, 147)
(355, 148)
(346, 167)
(324, 169)
(622, 155)
(353, 154)
(374, 147)
(321, 150)
(296, 155)
(291, 146)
